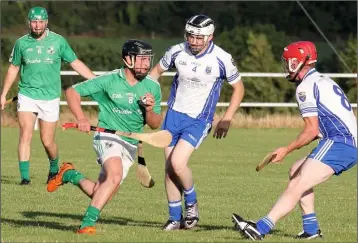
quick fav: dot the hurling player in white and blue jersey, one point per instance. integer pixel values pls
(201, 68)
(328, 115)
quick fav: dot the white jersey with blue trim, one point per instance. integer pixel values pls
(197, 84)
(318, 95)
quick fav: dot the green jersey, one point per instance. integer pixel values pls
(40, 64)
(118, 101)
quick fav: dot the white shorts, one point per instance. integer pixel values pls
(109, 145)
(47, 110)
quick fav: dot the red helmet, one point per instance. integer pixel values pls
(297, 54)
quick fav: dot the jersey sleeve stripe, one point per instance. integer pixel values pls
(309, 108)
(221, 68)
(316, 91)
(165, 64)
(233, 77)
(174, 56)
(306, 112)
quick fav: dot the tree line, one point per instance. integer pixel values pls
(254, 36)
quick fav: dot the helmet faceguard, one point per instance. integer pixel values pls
(141, 58)
(199, 27)
(297, 55)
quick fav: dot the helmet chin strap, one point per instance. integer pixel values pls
(132, 61)
(292, 80)
(138, 76)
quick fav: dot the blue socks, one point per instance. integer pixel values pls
(310, 223)
(264, 225)
(175, 210)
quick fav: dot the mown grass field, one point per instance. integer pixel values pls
(225, 178)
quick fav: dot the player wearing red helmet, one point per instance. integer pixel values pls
(328, 115)
(298, 55)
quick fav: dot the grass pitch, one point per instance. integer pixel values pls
(225, 179)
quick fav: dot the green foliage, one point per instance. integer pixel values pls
(350, 57)
(252, 34)
(260, 57)
(253, 53)
(111, 18)
(350, 54)
(132, 12)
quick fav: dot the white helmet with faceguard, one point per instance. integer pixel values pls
(199, 25)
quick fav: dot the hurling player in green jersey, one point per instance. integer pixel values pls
(119, 95)
(38, 57)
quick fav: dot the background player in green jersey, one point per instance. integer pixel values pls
(38, 57)
(119, 94)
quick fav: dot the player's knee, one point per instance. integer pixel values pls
(299, 184)
(26, 136)
(115, 179)
(178, 166)
(47, 142)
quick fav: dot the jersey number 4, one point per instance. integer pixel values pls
(344, 101)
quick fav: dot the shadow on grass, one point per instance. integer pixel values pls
(37, 223)
(14, 180)
(274, 233)
(104, 220)
(11, 180)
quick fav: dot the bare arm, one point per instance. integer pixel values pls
(74, 102)
(235, 101)
(153, 119)
(10, 78)
(223, 126)
(156, 72)
(309, 133)
(82, 69)
(8, 82)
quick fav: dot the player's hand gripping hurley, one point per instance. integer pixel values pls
(160, 139)
(9, 101)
